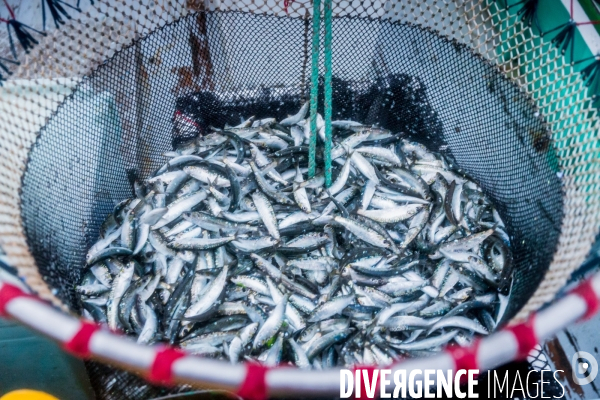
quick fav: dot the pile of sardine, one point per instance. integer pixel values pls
(231, 251)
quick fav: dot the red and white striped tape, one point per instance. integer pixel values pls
(167, 366)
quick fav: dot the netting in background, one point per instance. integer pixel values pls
(412, 67)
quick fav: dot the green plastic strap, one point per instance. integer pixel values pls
(328, 73)
(314, 89)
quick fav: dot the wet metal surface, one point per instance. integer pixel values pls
(584, 336)
(28, 361)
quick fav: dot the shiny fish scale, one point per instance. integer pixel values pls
(237, 255)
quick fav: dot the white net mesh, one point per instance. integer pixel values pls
(141, 46)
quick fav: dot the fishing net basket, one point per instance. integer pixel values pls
(91, 108)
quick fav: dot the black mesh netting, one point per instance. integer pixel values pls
(220, 66)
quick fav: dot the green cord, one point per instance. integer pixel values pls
(328, 38)
(314, 89)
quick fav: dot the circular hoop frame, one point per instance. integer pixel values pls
(167, 366)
